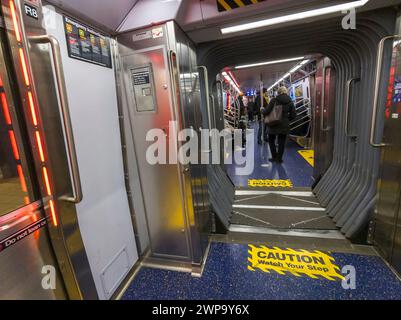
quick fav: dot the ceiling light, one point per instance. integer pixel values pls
(269, 63)
(299, 66)
(230, 81)
(296, 68)
(294, 17)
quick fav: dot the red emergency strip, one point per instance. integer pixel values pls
(32, 107)
(15, 21)
(40, 146)
(24, 67)
(6, 109)
(14, 145)
(22, 178)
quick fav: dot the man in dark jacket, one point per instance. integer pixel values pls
(280, 131)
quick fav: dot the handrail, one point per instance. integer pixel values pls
(69, 136)
(379, 61)
(304, 106)
(322, 128)
(298, 114)
(300, 125)
(348, 97)
(292, 123)
(214, 113)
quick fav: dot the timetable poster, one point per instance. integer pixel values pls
(87, 44)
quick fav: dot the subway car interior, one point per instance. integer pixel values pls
(139, 161)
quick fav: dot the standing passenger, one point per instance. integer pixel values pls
(251, 109)
(280, 131)
(261, 109)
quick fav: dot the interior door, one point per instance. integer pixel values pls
(147, 83)
(387, 236)
(324, 117)
(26, 253)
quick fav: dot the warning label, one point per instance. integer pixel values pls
(22, 234)
(299, 263)
(254, 183)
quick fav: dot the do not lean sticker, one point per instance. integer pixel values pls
(299, 263)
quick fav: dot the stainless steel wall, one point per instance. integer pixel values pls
(175, 202)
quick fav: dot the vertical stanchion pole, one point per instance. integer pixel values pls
(261, 105)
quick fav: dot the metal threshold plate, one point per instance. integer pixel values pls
(283, 193)
(322, 234)
(246, 206)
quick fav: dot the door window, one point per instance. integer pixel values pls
(14, 180)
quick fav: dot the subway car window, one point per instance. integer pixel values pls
(13, 188)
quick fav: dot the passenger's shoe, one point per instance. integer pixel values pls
(273, 160)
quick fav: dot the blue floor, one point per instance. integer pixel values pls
(226, 277)
(294, 168)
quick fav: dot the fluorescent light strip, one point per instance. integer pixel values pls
(296, 68)
(299, 66)
(269, 63)
(228, 78)
(294, 17)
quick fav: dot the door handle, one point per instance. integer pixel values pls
(348, 97)
(322, 128)
(379, 62)
(69, 136)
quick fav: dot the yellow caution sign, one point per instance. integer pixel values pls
(299, 263)
(226, 5)
(309, 156)
(255, 183)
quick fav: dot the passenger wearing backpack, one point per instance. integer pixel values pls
(278, 115)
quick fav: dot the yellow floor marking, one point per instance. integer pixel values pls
(256, 183)
(309, 156)
(314, 264)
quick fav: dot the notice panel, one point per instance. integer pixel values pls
(86, 44)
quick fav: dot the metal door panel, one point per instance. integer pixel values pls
(387, 231)
(161, 185)
(40, 68)
(23, 263)
(388, 202)
(324, 117)
(25, 248)
(396, 256)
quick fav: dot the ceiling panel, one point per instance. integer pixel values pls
(107, 13)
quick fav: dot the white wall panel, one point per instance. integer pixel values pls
(104, 216)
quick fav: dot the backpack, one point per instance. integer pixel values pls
(275, 117)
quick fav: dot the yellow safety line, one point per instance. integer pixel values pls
(224, 4)
(254, 1)
(239, 3)
(309, 156)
